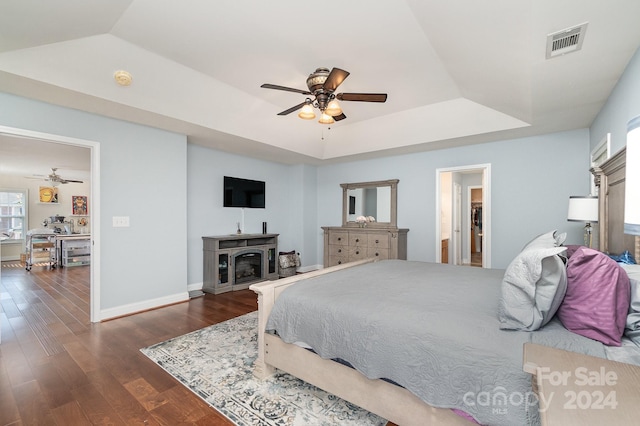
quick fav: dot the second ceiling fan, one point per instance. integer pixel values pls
(322, 85)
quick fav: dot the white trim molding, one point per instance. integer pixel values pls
(145, 305)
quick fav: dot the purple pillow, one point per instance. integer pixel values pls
(597, 299)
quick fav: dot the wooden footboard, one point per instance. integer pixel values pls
(268, 292)
(389, 401)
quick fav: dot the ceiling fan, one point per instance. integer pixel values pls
(55, 178)
(322, 84)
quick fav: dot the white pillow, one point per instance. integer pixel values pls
(533, 287)
(546, 240)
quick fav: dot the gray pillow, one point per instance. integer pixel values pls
(632, 328)
(533, 287)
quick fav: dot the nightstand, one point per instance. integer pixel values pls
(576, 389)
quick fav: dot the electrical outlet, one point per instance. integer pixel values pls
(120, 221)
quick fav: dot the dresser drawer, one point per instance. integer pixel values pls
(339, 238)
(357, 253)
(378, 253)
(337, 260)
(338, 250)
(357, 239)
(378, 240)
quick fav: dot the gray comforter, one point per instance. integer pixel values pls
(431, 328)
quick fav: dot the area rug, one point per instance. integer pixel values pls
(216, 363)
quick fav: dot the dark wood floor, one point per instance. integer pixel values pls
(58, 369)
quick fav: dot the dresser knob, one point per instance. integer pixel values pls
(339, 239)
(339, 250)
(339, 262)
(377, 241)
(377, 254)
(357, 240)
(357, 252)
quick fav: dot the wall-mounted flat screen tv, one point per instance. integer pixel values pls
(243, 193)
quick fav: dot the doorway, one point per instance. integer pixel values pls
(456, 225)
(473, 250)
(94, 211)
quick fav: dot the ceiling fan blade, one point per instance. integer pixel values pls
(287, 89)
(362, 97)
(340, 117)
(70, 181)
(293, 108)
(335, 78)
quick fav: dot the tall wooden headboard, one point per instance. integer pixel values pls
(610, 179)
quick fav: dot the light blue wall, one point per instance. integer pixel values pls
(149, 174)
(532, 179)
(289, 191)
(622, 106)
(143, 176)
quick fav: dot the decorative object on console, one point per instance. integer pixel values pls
(631, 198)
(288, 263)
(363, 220)
(584, 209)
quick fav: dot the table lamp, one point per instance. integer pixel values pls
(583, 209)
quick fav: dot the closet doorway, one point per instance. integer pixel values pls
(473, 251)
(463, 215)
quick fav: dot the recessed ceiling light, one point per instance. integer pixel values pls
(123, 78)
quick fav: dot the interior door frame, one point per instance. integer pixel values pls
(94, 212)
(467, 248)
(485, 169)
(456, 224)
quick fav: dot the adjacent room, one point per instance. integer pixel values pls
(177, 180)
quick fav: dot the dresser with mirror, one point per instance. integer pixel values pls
(369, 225)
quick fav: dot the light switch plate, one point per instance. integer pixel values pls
(120, 221)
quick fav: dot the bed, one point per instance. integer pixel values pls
(464, 348)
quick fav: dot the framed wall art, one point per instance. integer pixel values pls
(79, 205)
(48, 194)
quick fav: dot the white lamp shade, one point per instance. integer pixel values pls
(583, 209)
(306, 113)
(333, 108)
(632, 179)
(326, 119)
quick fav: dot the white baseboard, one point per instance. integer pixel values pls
(145, 305)
(10, 258)
(195, 286)
(309, 268)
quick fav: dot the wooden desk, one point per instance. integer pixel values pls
(576, 389)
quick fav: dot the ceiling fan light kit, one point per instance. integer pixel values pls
(333, 108)
(306, 113)
(322, 84)
(326, 119)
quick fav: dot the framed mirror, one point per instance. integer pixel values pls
(378, 200)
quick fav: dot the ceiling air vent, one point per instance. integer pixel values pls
(566, 41)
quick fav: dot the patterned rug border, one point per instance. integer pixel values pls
(227, 383)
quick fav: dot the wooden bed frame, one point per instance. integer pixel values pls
(389, 401)
(393, 402)
(609, 177)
